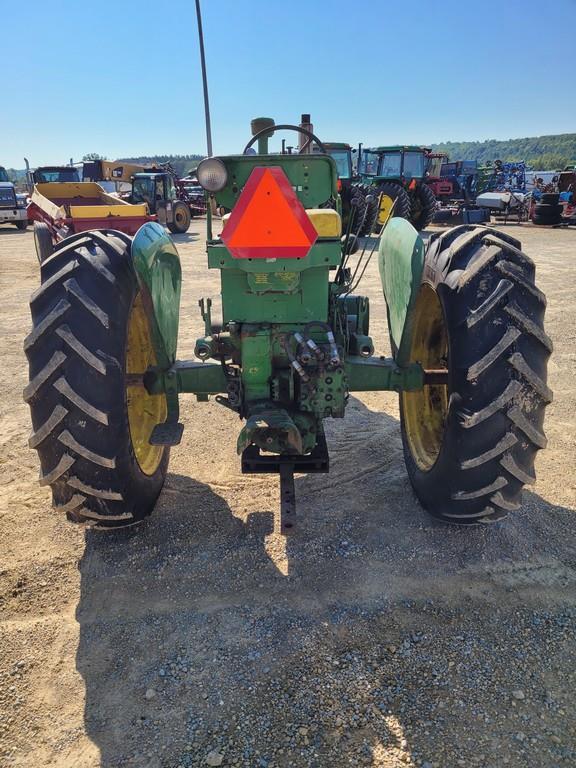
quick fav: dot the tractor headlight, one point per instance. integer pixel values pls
(212, 174)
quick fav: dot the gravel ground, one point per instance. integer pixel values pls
(372, 636)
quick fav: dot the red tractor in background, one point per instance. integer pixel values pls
(442, 188)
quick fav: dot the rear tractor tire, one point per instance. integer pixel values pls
(426, 207)
(91, 423)
(181, 218)
(368, 214)
(43, 241)
(470, 445)
(353, 194)
(390, 194)
(22, 225)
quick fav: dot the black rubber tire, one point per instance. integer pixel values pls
(550, 198)
(371, 200)
(347, 195)
(545, 209)
(366, 215)
(403, 206)
(442, 216)
(22, 225)
(77, 391)
(427, 207)
(497, 358)
(548, 208)
(181, 218)
(546, 221)
(357, 194)
(43, 241)
(547, 214)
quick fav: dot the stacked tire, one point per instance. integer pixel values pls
(548, 211)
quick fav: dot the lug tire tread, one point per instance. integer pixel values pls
(76, 391)
(498, 389)
(428, 205)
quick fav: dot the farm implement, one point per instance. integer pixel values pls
(469, 352)
(170, 198)
(61, 209)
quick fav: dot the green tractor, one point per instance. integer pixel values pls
(396, 177)
(352, 196)
(292, 346)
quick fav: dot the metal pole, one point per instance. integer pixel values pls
(204, 81)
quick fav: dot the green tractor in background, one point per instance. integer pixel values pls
(396, 177)
(352, 195)
(469, 353)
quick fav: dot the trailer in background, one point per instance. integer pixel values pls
(61, 209)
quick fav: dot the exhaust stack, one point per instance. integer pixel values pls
(304, 143)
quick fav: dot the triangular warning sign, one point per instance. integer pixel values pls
(268, 221)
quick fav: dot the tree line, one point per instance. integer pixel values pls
(182, 164)
(543, 153)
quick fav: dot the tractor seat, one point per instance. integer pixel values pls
(326, 221)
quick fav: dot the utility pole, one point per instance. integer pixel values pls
(204, 81)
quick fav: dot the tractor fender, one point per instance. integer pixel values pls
(157, 265)
(401, 262)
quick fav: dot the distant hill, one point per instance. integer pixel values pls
(543, 153)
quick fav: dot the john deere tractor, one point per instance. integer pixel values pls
(469, 352)
(397, 178)
(352, 196)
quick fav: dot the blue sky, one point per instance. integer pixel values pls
(122, 77)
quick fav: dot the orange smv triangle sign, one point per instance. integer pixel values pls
(268, 221)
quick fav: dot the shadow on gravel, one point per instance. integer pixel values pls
(186, 237)
(11, 230)
(371, 636)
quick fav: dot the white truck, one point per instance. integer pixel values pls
(13, 206)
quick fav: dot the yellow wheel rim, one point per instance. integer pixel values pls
(144, 410)
(425, 411)
(385, 209)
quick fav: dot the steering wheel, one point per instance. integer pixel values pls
(286, 127)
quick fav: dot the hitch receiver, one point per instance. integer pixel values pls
(254, 462)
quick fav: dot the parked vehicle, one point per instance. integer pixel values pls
(160, 193)
(291, 346)
(352, 195)
(49, 174)
(158, 186)
(396, 176)
(12, 204)
(195, 195)
(455, 181)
